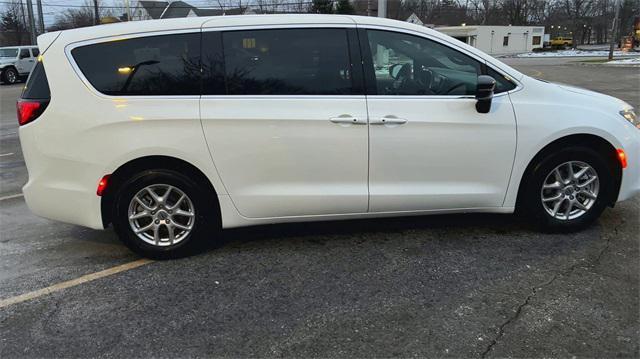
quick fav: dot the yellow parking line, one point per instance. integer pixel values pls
(11, 196)
(72, 283)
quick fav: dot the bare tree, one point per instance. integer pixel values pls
(72, 18)
(12, 24)
(577, 11)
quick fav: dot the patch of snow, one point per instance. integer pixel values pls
(574, 53)
(635, 61)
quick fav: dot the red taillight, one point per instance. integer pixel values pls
(29, 110)
(622, 157)
(102, 185)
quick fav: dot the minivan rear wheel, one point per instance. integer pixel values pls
(163, 214)
(568, 190)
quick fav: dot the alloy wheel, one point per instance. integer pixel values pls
(570, 190)
(11, 76)
(161, 215)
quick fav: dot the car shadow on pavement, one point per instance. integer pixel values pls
(492, 223)
(497, 231)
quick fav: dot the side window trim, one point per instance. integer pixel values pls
(355, 59)
(206, 50)
(370, 86)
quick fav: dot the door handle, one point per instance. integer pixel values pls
(389, 120)
(346, 119)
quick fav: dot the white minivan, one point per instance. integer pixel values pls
(172, 129)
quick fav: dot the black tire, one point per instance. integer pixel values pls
(206, 220)
(10, 76)
(531, 202)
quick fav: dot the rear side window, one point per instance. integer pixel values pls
(37, 87)
(287, 62)
(24, 53)
(155, 65)
(35, 51)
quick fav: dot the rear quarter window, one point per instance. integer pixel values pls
(154, 65)
(37, 87)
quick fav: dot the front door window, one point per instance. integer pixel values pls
(410, 65)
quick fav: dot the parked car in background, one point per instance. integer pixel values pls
(173, 129)
(16, 62)
(562, 42)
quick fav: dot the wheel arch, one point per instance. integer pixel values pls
(126, 170)
(595, 142)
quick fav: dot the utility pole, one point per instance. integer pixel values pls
(24, 18)
(382, 54)
(126, 3)
(382, 8)
(614, 29)
(96, 20)
(32, 25)
(40, 18)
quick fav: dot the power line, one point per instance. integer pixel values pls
(214, 7)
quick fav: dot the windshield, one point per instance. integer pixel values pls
(9, 52)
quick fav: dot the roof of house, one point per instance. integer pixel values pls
(154, 8)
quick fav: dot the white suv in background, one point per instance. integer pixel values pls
(172, 129)
(16, 62)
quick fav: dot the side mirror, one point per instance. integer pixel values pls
(484, 93)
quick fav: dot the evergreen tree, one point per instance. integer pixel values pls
(11, 26)
(322, 7)
(345, 7)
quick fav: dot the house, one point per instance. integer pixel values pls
(414, 19)
(498, 40)
(147, 10)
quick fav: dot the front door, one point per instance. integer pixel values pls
(430, 148)
(25, 61)
(285, 124)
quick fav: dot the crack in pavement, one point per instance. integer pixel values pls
(535, 289)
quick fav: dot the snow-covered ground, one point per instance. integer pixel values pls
(576, 53)
(635, 61)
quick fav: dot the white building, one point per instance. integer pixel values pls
(498, 40)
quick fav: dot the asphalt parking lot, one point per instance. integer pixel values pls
(440, 286)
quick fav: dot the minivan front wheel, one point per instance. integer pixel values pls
(163, 214)
(568, 190)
